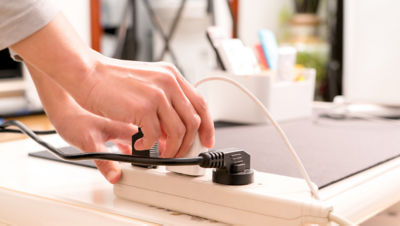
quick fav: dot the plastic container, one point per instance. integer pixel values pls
(285, 100)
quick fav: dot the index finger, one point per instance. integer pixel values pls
(206, 129)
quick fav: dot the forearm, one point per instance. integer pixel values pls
(59, 53)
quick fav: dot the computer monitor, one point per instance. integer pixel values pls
(371, 52)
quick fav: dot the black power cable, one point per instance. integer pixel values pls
(37, 132)
(98, 155)
(232, 165)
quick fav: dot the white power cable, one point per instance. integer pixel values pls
(300, 165)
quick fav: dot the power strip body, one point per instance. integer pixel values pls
(270, 200)
(194, 151)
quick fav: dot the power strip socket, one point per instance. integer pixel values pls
(270, 200)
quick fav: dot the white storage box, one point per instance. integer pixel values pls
(284, 99)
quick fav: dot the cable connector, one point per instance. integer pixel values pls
(232, 166)
(151, 153)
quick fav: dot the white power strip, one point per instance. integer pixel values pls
(270, 200)
(194, 151)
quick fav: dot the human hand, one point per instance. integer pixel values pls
(80, 128)
(89, 133)
(153, 96)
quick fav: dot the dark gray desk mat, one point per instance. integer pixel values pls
(330, 149)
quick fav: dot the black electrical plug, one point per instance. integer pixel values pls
(232, 166)
(152, 152)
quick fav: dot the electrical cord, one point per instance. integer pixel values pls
(104, 156)
(314, 191)
(206, 160)
(37, 132)
(215, 159)
(293, 152)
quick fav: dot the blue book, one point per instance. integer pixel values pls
(270, 47)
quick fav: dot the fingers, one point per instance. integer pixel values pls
(179, 120)
(120, 132)
(150, 126)
(125, 149)
(166, 120)
(158, 100)
(206, 127)
(110, 169)
(191, 122)
(173, 129)
(182, 122)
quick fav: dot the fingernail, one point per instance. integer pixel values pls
(113, 176)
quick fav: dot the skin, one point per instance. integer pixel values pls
(80, 128)
(102, 94)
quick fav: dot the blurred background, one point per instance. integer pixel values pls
(352, 45)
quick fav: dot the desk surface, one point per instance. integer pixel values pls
(341, 147)
(36, 122)
(27, 181)
(50, 193)
(330, 149)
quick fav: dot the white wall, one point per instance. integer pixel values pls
(372, 51)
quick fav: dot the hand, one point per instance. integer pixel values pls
(153, 96)
(80, 128)
(89, 133)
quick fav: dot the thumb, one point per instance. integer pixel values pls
(110, 169)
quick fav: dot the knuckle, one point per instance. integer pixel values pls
(156, 95)
(180, 131)
(194, 123)
(147, 106)
(167, 79)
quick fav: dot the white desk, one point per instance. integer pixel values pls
(52, 193)
(41, 192)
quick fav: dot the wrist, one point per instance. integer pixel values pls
(78, 77)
